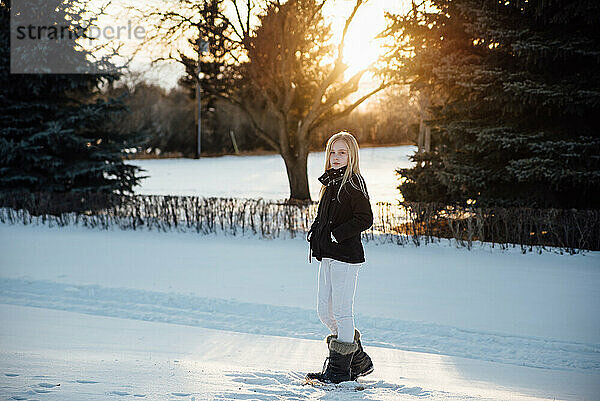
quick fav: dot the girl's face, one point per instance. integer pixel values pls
(338, 157)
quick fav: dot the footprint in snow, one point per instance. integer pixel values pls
(264, 381)
(279, 377)
(48, 385)
(264, 378)
(265, 385)
(86, 381)
(250, 397)
(44, 388)
(240, 374)
(119, 393)
(181, 394)
(365, 386)
(11, 374)
(392, 387)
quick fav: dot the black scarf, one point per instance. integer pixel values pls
(332, 176)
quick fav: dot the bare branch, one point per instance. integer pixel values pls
(338, 69)
(342, 92)
(245, 28)
(346, 26)
(348, 110)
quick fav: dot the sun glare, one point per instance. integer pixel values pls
(361, 49)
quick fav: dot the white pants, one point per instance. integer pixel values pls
(335, 299)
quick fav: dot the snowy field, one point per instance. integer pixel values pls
(124, 315)
(264, 176)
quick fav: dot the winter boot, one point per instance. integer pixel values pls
(340, 359)
(361, 362)
(316, 376)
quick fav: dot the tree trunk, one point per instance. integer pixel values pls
(297, 173)
(424, 141)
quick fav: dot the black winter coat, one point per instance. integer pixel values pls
(345, 219)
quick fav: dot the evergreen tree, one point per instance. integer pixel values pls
(517, 91)
(54, 135)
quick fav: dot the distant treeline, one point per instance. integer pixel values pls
(530, 229)
(167, 119)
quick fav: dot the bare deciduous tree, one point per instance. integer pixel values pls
(283, 72)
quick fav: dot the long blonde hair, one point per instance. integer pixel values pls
(353, 163)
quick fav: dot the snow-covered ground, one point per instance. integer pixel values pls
(85, 357)
(101, 315)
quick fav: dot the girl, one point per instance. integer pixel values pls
(344, 212)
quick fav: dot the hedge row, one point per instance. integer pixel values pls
(530, 229)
